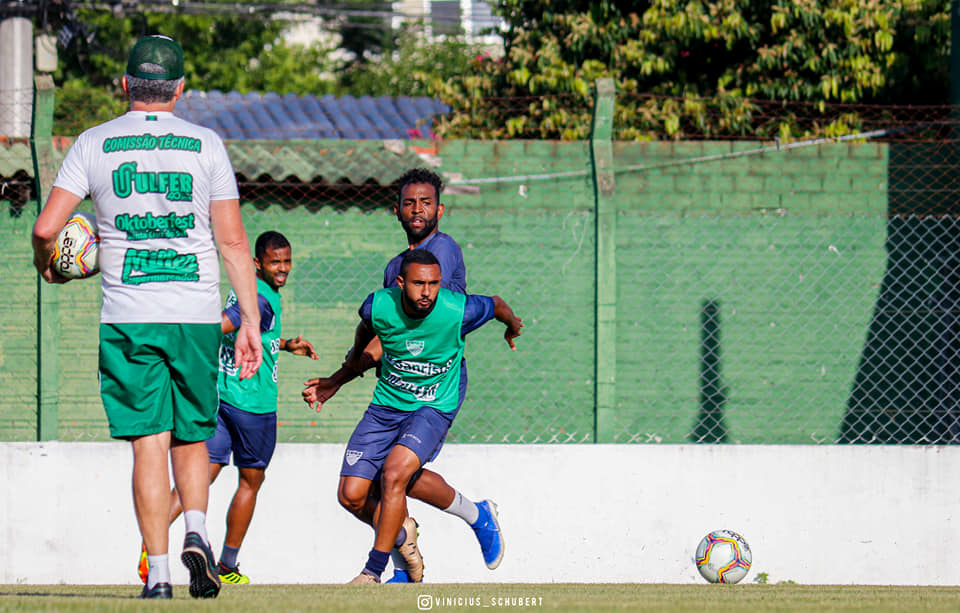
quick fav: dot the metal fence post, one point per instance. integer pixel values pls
(954, 52)
(605, 358)
(48, 302)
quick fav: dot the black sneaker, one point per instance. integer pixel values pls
(160, 590)
(197, 557)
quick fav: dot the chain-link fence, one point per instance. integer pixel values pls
(15, 112)
(799, 291)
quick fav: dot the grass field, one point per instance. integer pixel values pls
(515, 597)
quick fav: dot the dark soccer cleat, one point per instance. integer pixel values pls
(231, 575)
(197, 557)
(160, 590)
(487, 530)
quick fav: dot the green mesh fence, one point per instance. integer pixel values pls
(763, 295)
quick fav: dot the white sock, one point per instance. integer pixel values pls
(196, 521)
(464, 508)
(159, 570)
(398, 562)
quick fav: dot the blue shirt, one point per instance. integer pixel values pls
(477, 311)
(448, 252)
(266, 314)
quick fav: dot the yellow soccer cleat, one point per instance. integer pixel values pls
(144, 567)
(232, 576)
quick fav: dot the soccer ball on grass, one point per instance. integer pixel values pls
(723, 556)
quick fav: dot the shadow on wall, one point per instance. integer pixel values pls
(710, 427)
(907, 385)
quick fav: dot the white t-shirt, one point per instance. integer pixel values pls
(152, 176)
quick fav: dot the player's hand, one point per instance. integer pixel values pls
(49, 272)
(512, 332)
(51, 276)
(299, 346)
(248, 350)
(318, 391)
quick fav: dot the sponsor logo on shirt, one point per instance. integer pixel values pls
(142, 227)
(228, 364)
(178, 186)
(163, 265)
(425, 369)
(423, 393)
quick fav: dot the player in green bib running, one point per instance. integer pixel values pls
(247, 419)
(422, 329)
(419, 210)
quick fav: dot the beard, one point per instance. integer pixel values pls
(415, 310)
(415, 235)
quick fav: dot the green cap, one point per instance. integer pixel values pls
(163, 52)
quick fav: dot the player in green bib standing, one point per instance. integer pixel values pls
(247, 419)
(422, 329)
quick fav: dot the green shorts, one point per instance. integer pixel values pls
(160, 377)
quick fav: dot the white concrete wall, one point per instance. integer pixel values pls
(585, 513)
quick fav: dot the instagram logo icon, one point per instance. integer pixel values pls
(424, 602)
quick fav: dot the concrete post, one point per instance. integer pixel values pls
(16, 76)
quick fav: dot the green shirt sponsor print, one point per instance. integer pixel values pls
(178, 186)
(149, 142)
(162, 265)
(142, 227)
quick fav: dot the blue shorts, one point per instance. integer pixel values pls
(422, 431)
(252, 437)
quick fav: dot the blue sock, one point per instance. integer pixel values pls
(229, 556)
(401, 537)
(376, 562)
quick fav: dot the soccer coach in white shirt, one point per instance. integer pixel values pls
(166, 201)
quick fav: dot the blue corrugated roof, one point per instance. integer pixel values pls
(271, 116)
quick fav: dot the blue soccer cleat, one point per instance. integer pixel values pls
(487, 529)
(399, 576)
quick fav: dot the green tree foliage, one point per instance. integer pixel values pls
(412, 68)
(683, 68)
(698, 68)
(360, 55)
(365, 33)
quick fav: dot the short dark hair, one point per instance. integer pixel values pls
(152, 91)
(418, 175)
(269, 240)
(417, 256)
